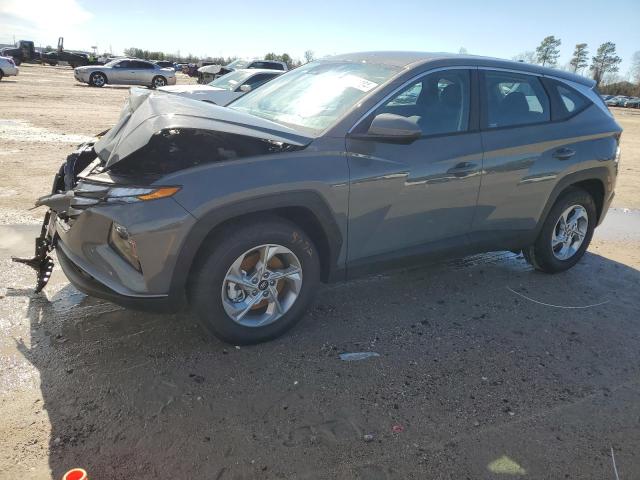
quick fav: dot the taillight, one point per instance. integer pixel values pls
(11, 61)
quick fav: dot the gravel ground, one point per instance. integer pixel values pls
(476, 377)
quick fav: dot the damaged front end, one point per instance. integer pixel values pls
(59, 203)
(156, 135)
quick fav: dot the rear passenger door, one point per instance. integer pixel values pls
(141, 73)
(519, 166)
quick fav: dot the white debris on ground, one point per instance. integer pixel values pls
(22, 131)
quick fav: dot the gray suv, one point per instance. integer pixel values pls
(340, 167)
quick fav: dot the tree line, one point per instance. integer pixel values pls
(602, 66)
(176, 57)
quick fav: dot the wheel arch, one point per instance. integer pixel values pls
(306, 209)
(596, 181)
(166, 81)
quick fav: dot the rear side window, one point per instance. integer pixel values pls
(514, 99)
(567, 101)
(141, 65)
(269, 65)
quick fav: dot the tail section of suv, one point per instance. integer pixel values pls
(341, 167)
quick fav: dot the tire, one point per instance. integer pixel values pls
(158, 81)
(1, 75)
(209, 288)
(17, 61)
(575, 204)
(97, 79)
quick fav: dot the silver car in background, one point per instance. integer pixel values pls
(227, 88)
(8, 67)
(126, 71)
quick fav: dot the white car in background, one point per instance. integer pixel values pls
(8, 67)
(227, 88)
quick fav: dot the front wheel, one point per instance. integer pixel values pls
(565, 234)
(158, 81)
(254, 281)
(97, 79)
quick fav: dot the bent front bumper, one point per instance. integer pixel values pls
(89, 285)
(93, 265)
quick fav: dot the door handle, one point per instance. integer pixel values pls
(462, 169)
(564, 153)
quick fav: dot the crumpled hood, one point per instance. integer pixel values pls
(147, 112)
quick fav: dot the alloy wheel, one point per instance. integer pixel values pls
(569, 232)
(261, 285)
(98, 80)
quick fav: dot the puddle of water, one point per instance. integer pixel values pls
(619, 224)
(21, 131)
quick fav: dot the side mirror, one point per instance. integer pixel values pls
(394, 127)
(245, 88)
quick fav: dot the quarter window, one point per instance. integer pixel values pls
(515, 99)
(438, 103)
(573, 102)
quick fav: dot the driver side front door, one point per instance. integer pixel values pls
(412, 198)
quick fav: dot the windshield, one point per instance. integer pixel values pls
(238, 64)
(314, 96)
(231, 80)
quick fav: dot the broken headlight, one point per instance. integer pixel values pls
(137, 194)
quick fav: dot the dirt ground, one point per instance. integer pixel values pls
(480, 373)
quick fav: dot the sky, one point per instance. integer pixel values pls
(251, 28)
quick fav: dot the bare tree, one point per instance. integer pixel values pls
(580, 56)
(605, 61)
(309, 56)
(463, 51)
(548, 51)
(635, 67)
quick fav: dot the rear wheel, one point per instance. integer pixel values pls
(158, 81)
(1, 75)
(254, 282)
(566, 233)
(97, 79)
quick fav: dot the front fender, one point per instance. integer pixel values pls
(208, 221)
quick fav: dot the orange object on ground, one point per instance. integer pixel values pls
(76, 474)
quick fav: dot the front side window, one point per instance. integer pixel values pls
(231, 80)
(238, 64)
(514, 99)
(258, 79)
(316, 95)
(438, 102)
